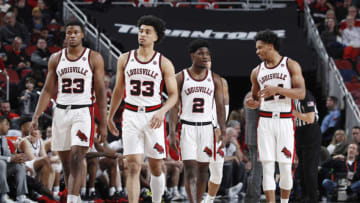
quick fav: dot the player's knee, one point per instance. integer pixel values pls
(268, 175)
(286, 181)
(134, 167)
(215, 174)
(216, 178)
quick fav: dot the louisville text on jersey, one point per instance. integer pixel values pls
(197, 89)
(271, 76)
(66, 70)
(142, 71)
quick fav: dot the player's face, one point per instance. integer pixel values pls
(147, 35)
(262, 49)
(201, 57)
(74, 35)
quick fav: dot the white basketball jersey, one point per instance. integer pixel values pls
(36, 146)
(75, 79)
(275, 76)
(143, 80)
(197, 97)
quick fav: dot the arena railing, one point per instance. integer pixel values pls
(329, 76)
(94, 39)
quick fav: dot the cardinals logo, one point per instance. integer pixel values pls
(221, 152)
(159, 148)
(208, 151)
(82, 136)
(286, 152)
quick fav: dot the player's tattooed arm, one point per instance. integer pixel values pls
(118, 93)
(99, 86)
(174, 112)
(48, 90)
(220, 107)
(252, 100)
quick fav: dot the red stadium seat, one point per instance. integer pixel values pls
(358, 66)
(14, 77)
(30, 49)
(353, 86)
(54, 49)
(25, 72)
(343, 64)
(8, 48)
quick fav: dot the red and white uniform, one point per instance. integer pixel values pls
(143, 88)
(196, 133)
(73, 115)
(275, 126)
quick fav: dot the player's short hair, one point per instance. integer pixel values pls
(334, 99)
(356, 127)
(157, 23)
(24, 119)
(197, 44)
(74, 22)
(268, 37)
(2, 118)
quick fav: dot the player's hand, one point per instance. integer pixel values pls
(217, 133)
(223, 140)
(251, 103)
(268, 91)
(34, 124)
(208, 65)
(103, 133)
(157, 119)
(174, 143)
(112, 127)
(295, 113)
(18, 158)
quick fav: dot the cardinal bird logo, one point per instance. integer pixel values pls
(286, 152)
(221, 152)
(159, 148)
(82, 136)
(208, 151)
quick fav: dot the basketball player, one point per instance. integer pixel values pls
(275, 83)
(75, 69)
(198, 87)
(142, 73)
(216, 166)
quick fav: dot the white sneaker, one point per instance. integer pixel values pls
(26, 200)
(177, 196)
(235, 190)
(8, 199)
(183, 193)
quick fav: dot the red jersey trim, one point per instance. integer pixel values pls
(207, 72)
(275, 65)
(135, 55)
(66, 56)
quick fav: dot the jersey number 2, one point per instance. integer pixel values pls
(67, 83)
(198, 105)
(279, 95)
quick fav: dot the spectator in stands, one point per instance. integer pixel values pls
(11, 29)
(17, 58)
(351, 39)
(28, 98)
(107, 88)
(45, 11)
(4, 7)
(37, 22)
(11, 164)
(355, 132)
(338, 144)
(23, 12)
(5, 110)
(234, 168)
(341, 10)
(41, 55)
(49, 38)
(3, 54)
(343, 168)
(330, 14)
(330, 121)
(352, 11)
(318, 10)
(329, 38)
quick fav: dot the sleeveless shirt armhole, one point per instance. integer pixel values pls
(58, 62)
(127, 60)
(89, 61)
(160, 57)
(287, 66)
(212, 76)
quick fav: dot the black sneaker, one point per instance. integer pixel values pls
(92, 195)
(167, 196)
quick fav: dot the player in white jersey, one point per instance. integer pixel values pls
(142, 73)
(198, 87)
(216, 166)
(275, 83)
(77, 71)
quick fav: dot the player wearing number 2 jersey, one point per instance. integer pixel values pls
(198, 87)
(77, 71)
(142, 74)
(275, 83)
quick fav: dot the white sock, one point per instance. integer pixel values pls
(72, 199)
(3, 197)
(83, 191)
(172, 189)
(111, 191)
(56, 188)
(284, 200)
(209, 199)
(157, 186)
(92, 189)
(20, 198)
(119, 189)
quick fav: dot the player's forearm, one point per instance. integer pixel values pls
(170, 102)
(116, 99)
(173, 119)
(42, 104)
(90, 155)
(220, 110)
(293, 93)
